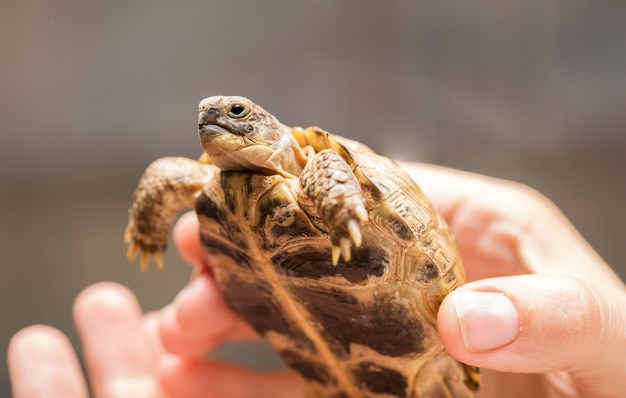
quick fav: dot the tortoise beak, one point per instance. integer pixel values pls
(209, 131)
(208, 117)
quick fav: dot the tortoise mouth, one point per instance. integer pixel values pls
(216, 140)
(210, 129)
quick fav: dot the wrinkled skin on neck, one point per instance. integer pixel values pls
(239, 135)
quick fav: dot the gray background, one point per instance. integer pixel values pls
(91, 92)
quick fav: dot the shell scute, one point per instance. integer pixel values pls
(255, 300)
(384, 326)
(377, 378)
(314, 262)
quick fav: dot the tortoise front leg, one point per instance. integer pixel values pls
(329, 187)
(167, 186)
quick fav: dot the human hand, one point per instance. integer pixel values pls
(123, 353)
(120, 347)
(550, 319)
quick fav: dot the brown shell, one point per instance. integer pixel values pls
(365, 327)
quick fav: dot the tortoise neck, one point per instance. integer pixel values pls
(288, 155)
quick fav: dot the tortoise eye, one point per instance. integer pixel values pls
(238, 111)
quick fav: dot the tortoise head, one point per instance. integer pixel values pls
(238, 134)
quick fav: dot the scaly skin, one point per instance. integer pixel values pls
(168, 185)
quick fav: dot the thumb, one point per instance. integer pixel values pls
(536, 324)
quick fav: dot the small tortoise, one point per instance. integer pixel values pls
(330, 251)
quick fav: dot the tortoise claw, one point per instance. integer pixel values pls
(158, 259)
(343, 249)
(144, 261)
(128, 234)
(142, 245)
(355, 233)
(336, 251)
(361, 213)
(131, 253)
(345, 245)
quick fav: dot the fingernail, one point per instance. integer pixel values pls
(488, 320)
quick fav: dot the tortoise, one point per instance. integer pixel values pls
(329, 251)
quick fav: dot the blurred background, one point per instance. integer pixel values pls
(91, 92)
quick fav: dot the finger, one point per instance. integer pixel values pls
(505, 228)
(538, 324)
(186, 236)
(199, 320)
(151, 324)
(482, 214)
(118, 359)
(42, 363)
(189, 378)
(202, 312)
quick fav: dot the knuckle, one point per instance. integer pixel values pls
(523, 200)
(581, 317)
(511, 220)
(580, 306)
(596, 327)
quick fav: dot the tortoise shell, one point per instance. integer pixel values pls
(339, 262)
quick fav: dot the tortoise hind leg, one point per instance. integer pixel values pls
(329, 190)
(444, 376)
